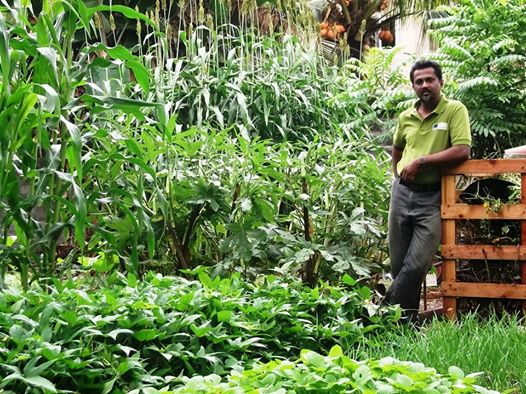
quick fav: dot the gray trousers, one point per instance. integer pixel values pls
(415, 230)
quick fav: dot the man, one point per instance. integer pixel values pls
(432, 134)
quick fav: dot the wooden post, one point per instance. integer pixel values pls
(449, 274)
(523, 236)
(451, 211)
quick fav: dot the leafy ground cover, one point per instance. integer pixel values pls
(130, 335)
(209, 335)
(494, 346)
(337, 373)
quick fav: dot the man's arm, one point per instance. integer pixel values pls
(396, 156)
(447, 157)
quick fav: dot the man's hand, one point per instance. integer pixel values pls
(410, 171)
(450, 156)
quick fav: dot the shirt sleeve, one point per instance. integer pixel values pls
(460, 130)
(398, 139)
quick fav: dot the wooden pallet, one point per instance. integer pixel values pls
(453, 210)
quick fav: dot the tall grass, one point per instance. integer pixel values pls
(496, 347)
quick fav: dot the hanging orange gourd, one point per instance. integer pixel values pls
(386, 36)
(331, 34)
(340, 29)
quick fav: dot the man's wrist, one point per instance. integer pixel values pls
(421, 162)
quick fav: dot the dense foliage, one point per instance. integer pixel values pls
(115, 159)
(129, 334)
(481, 46)
(212, 145)
(337, 373)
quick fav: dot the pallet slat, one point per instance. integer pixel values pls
(484, 290)
(523, 234)
(487, 167)
(449, 272)
(453, 210)
(466, 211)
(484, 252)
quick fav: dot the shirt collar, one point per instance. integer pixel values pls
(441, 106)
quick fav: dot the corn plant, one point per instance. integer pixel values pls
(41, 147)
(46, 216)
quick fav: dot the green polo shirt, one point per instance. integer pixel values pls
(446, 126)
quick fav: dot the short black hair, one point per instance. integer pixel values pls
(421, 64)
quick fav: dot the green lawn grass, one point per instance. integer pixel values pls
(494, 346)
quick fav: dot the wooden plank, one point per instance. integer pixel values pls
(484, 252)
(484, 290)
(487, 167)
(451, 211)
(449, 190)
(467, 211)
(523, 236)
(449, 272)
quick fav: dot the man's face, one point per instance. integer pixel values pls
(427, 86)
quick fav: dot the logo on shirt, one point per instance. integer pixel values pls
(440, 126)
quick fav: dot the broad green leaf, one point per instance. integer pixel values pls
(40, 382)
(310, 357)
(132, 280)
(348, 280)
(28, 104)
(114, 333)
(126, 349)
(456, 372)
(404, 381)
(205, 279)
(108, 386)
(51, 55)
(335, 352)
(141, 74)
(4, 55)
(202, 330)
(126, 11)
(117, 52)
(17, 333)
(146, 335)
(32, 369)
(52, 100)
(224, 316)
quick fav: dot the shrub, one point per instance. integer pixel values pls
(482, 49)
